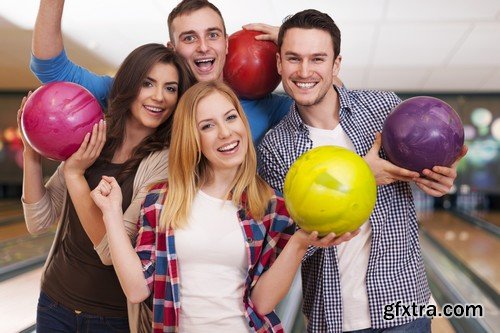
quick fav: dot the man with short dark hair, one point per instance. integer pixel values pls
(197, 32)
(346, 287)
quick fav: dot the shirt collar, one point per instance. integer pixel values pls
(344, 99)
(296, 120)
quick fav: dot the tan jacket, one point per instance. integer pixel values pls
(53, 208)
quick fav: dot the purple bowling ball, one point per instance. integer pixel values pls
(56, 118)
(422, 132)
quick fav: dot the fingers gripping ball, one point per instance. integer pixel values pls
(422, 132)
(330, 189)
(250, 68)
(56, 118)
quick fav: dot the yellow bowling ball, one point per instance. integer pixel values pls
(330, 189)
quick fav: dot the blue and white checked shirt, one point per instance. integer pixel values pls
(395, 269)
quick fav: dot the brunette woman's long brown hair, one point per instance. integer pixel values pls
(125, 89)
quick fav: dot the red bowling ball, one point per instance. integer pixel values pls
(422, 132)
(250, 68)
(56, 118)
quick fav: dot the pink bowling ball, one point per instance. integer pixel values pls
(56, 118)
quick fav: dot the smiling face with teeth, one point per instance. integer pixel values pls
(200, 38)
(156, 99)
(308, 66)
(222, 133)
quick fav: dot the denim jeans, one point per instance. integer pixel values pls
(420, 325)
(53, 317)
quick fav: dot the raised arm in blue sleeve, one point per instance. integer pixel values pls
(60, 68)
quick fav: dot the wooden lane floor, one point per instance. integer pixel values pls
(10, 211)
(488, 216)
(20, 249)
(24, 249)
(14, 210)
(9, 202)
(441, 324)
(474, 247)
(12, 223)
(11, 220)
(13, 230)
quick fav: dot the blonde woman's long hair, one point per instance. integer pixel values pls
(189, 169)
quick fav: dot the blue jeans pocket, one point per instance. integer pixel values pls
(117, 324)
(45, 303)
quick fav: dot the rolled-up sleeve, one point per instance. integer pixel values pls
(146, 241)
(280, 230)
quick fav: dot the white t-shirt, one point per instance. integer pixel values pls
(352, 255)
(213, 266)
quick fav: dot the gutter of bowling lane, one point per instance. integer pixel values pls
(480, 283)
(478, 222)
(31, 329)
(13, 270)
(21, 254)
(450, 285)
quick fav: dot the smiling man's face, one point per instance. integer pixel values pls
(200, 38)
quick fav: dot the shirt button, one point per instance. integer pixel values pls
(249, 239)
(250, 324)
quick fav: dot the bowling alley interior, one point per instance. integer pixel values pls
(444, 49)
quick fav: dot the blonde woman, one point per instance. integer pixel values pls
(210, 237)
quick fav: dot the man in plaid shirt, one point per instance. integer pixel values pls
(346, 287)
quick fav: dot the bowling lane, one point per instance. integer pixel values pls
(9, 202)
(488, 216)
(18, 248)
(441, 324)
(475, 247)
(13, 230)
(8, 212)
(11, 220)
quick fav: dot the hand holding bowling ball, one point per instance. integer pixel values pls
(423, 132)
(305, 239)
(24, 141)
(56, 118)
(88, 152)
(330, 189)
(250, 68)
(384, 171)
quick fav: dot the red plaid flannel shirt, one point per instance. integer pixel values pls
(264, 241)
